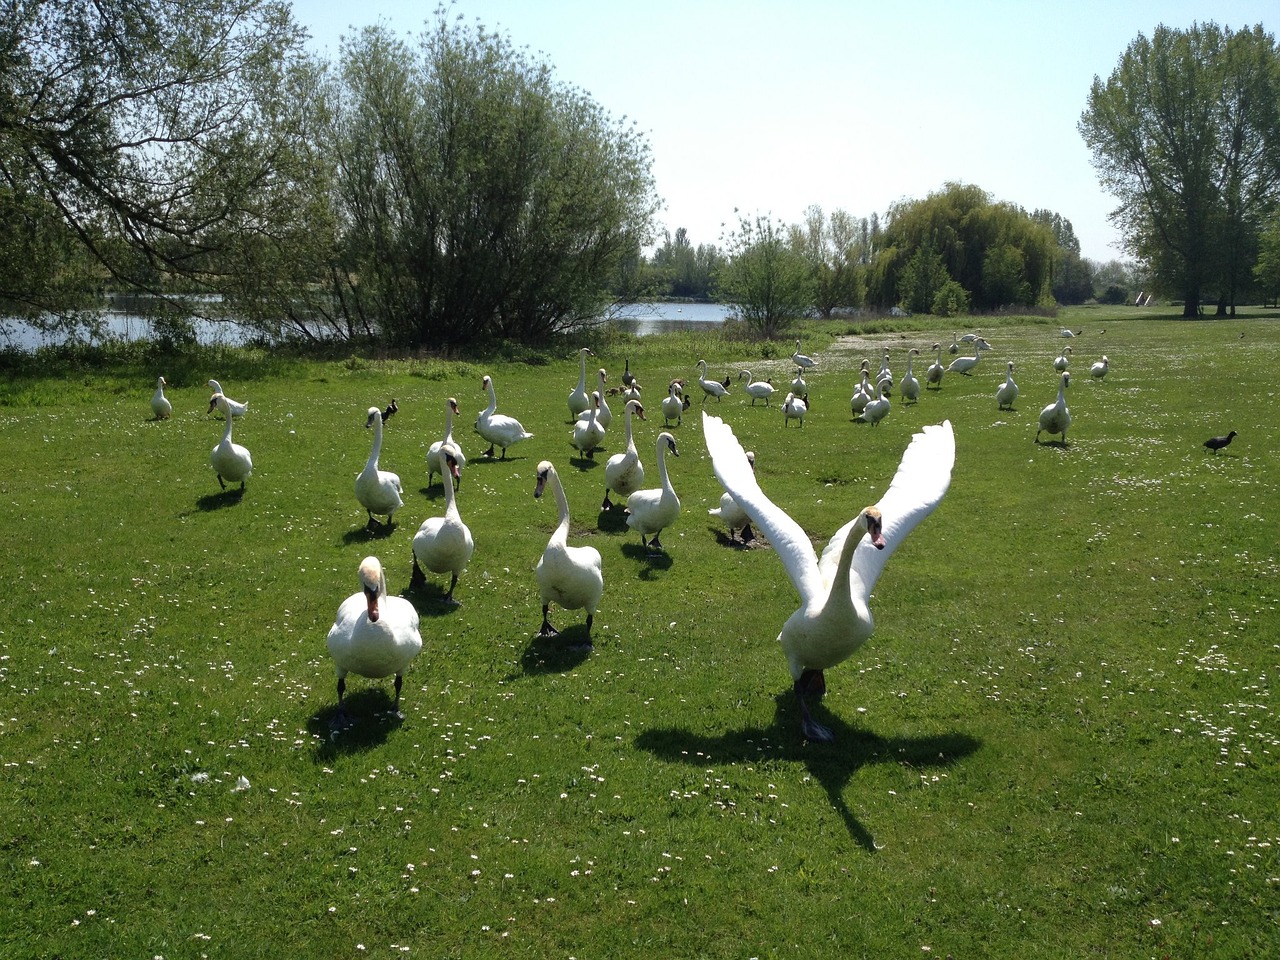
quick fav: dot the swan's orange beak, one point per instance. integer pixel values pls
(372, 597)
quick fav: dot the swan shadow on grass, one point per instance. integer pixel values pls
(586, 463)
(615, 520)
(367, 533)
(223, 498)
(757, 542)
(428, 598)
(661, 560)
(558, 654)
(369, 721)
(832, 765)
(1056, 444)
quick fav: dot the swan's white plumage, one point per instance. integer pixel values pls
(794, 408)
(604, 416)
(673, 405)
(235, 408)
(229, 460)
(379, 491)
(877, 408)
(710, 388)
(1100, 369)
(910, 386)
(1063, 360)
(579, 399)
(652, 511)
(588, 431)
(1056, 417)
(572, 577)
(500, 430)
(1007, 392)
(933, 376)
(802, 361)
(435, 463)
(160, 404)
(966, 364)
(443, 544)
(624, 473)
(758, 389)
(862, 395)
(731, 512)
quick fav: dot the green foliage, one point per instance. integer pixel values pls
(951, 300)
(767, 280)
(1267, 269)
(681, 271)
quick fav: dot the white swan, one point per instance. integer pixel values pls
(885, 375)
(801, 361)
(573, 577)
(373, 635)
(230, 461)
(603, 414)
(710, 388)
(1100, 369)
(579, 399)
(377, 490)
(435, 462)
(732, 513)
(794, 408)
(965, 365)
(1065, 332)
(834, 618)
(862, 394)
(1007, 392)
(933, 376)
(674, 404)
(970, 337)
(759, 389)
(237, 409)
(160, 404)
(588, 431)
(1063, 360)
(624, 473)
(955, 346)
(910, 386)
(1055, 418)
(500, 430)
(799, 385)
(652, 511)
(443, 544)
(876, 409)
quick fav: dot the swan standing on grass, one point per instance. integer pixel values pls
(862, 395)
(624, 473)
(759, 389)
(435, 463)
(674, 404)
(377, 490)
(965, 365)
(1063, 360)
(373, 635)
(604, 416)
(501, 431)
(1007, 392)
(1100, 369)
(588, 431)
(443, 544)
(579, 399)
(573, 577)
(652, 511)
(710, 388)
(876, 409)
(160, 404)
(910, 386)
(834, 618)
(933, 376)
(1055, 418)
(801, 361)
(230, 461)
(236, 408)
(794, 408)
(732, 513)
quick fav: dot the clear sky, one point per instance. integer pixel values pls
(770, 107)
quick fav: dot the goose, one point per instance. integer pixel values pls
(573, 577)
(1217, 443)
(933, 376)
(759, 389)
(579, 399)
(794, 408)
(627, 377)
(732, 514)
(377, 490)
(1063, 360)
(673, 405)
(374, 635)
(603, 414)
(435, 463)
(501, 431)
(955, 346)
(1099, 369)
(862, 395)
(834, 618)
(910, 386)
(624, 473)
(230, 461)
(237, 409)
(710, 388)
(1055, 418)
(965, 365)
(160, 404)
(443, 544)
(801, 361)
(1007, 392)
(588, 431)
(652, 511)
(876, 409)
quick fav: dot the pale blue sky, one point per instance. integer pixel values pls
(851, 104)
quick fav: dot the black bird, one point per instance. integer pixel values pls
(388, 413)
(1217, 443)
(628, 378)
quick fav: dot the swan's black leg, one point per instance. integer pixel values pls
(747, 533)
(395, 707)
(608, 505)
(418, 578)
(489, 452)
(452, 583)
(220, 483)
(811, 729)
(547, 629)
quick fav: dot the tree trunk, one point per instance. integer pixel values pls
(1191, 305)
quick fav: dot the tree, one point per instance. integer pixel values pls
(142, 138)
(1267, 269)
(766, 279)
(682, 270)
(831, 247)
(1186, 134)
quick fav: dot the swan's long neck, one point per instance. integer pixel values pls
(450, 505)
(840, 582)
(582, 374)
(493, 401)
(909, 364)
(226, 431)
(662, 465)
(448, 422)
(938, 359)
(562, 531)
(377, 441)
(626, 423)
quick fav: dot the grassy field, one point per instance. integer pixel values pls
(1060, 741)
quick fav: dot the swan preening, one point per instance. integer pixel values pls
(572, 577)
(230, 461)
(501, 431)
(160, 404)
(652, 511)
(377, 490)
(443, 544)
(579, 399)
(374, 635)
(1055, 418)
(435, 462)
(624, 473)
(834, 618)
(233, 407)
(1007, 392)
(732, 514)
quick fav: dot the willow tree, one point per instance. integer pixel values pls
(1186, 134)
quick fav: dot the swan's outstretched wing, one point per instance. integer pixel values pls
(788, 538)
(922, 478)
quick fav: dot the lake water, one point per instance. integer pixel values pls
(644, 319)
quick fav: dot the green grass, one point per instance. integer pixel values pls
(1060, 741)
